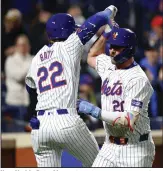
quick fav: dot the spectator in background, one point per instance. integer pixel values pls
(156, 34)
(28, 8)
(150, 9)
(16, 68)
(38, 37)
(86, 91)
(76, 12)
(151, 67)
(13, 26)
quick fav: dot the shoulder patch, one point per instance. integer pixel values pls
(137, 103)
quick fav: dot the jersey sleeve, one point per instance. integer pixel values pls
(74, 46)
(31, 75)
(103, 64)
(137, 95)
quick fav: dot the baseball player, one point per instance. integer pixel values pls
(54, 77)
(125, 94)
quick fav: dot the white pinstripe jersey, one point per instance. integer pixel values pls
(54, 72)
(124, 90)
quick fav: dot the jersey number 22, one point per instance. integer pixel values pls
(45, 76)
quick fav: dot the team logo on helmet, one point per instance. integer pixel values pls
(115, 34)
(78, 30)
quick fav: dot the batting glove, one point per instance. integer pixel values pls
(88, 108)
(111, 22)
(113, 10)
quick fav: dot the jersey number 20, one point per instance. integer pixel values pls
(45, 75)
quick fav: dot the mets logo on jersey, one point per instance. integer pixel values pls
(115, 34)
(116, 89)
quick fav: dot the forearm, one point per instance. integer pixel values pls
(92, 25)
(98, 47)
(119, 118)
(127, 118)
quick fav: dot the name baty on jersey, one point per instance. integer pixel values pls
(46, 55)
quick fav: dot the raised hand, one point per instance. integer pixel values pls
(111, 22)
(113, 10)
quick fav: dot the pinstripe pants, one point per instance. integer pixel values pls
(58, 132)
(131, 155)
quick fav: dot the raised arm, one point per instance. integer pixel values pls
(93, 23)
(99, 46)
(97, 49)
(74, 44)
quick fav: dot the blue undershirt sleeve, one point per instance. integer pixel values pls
(92, 25)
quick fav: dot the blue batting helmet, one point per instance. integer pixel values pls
(60, 26)
(126, 38)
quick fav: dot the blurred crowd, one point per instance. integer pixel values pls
(23, 34)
